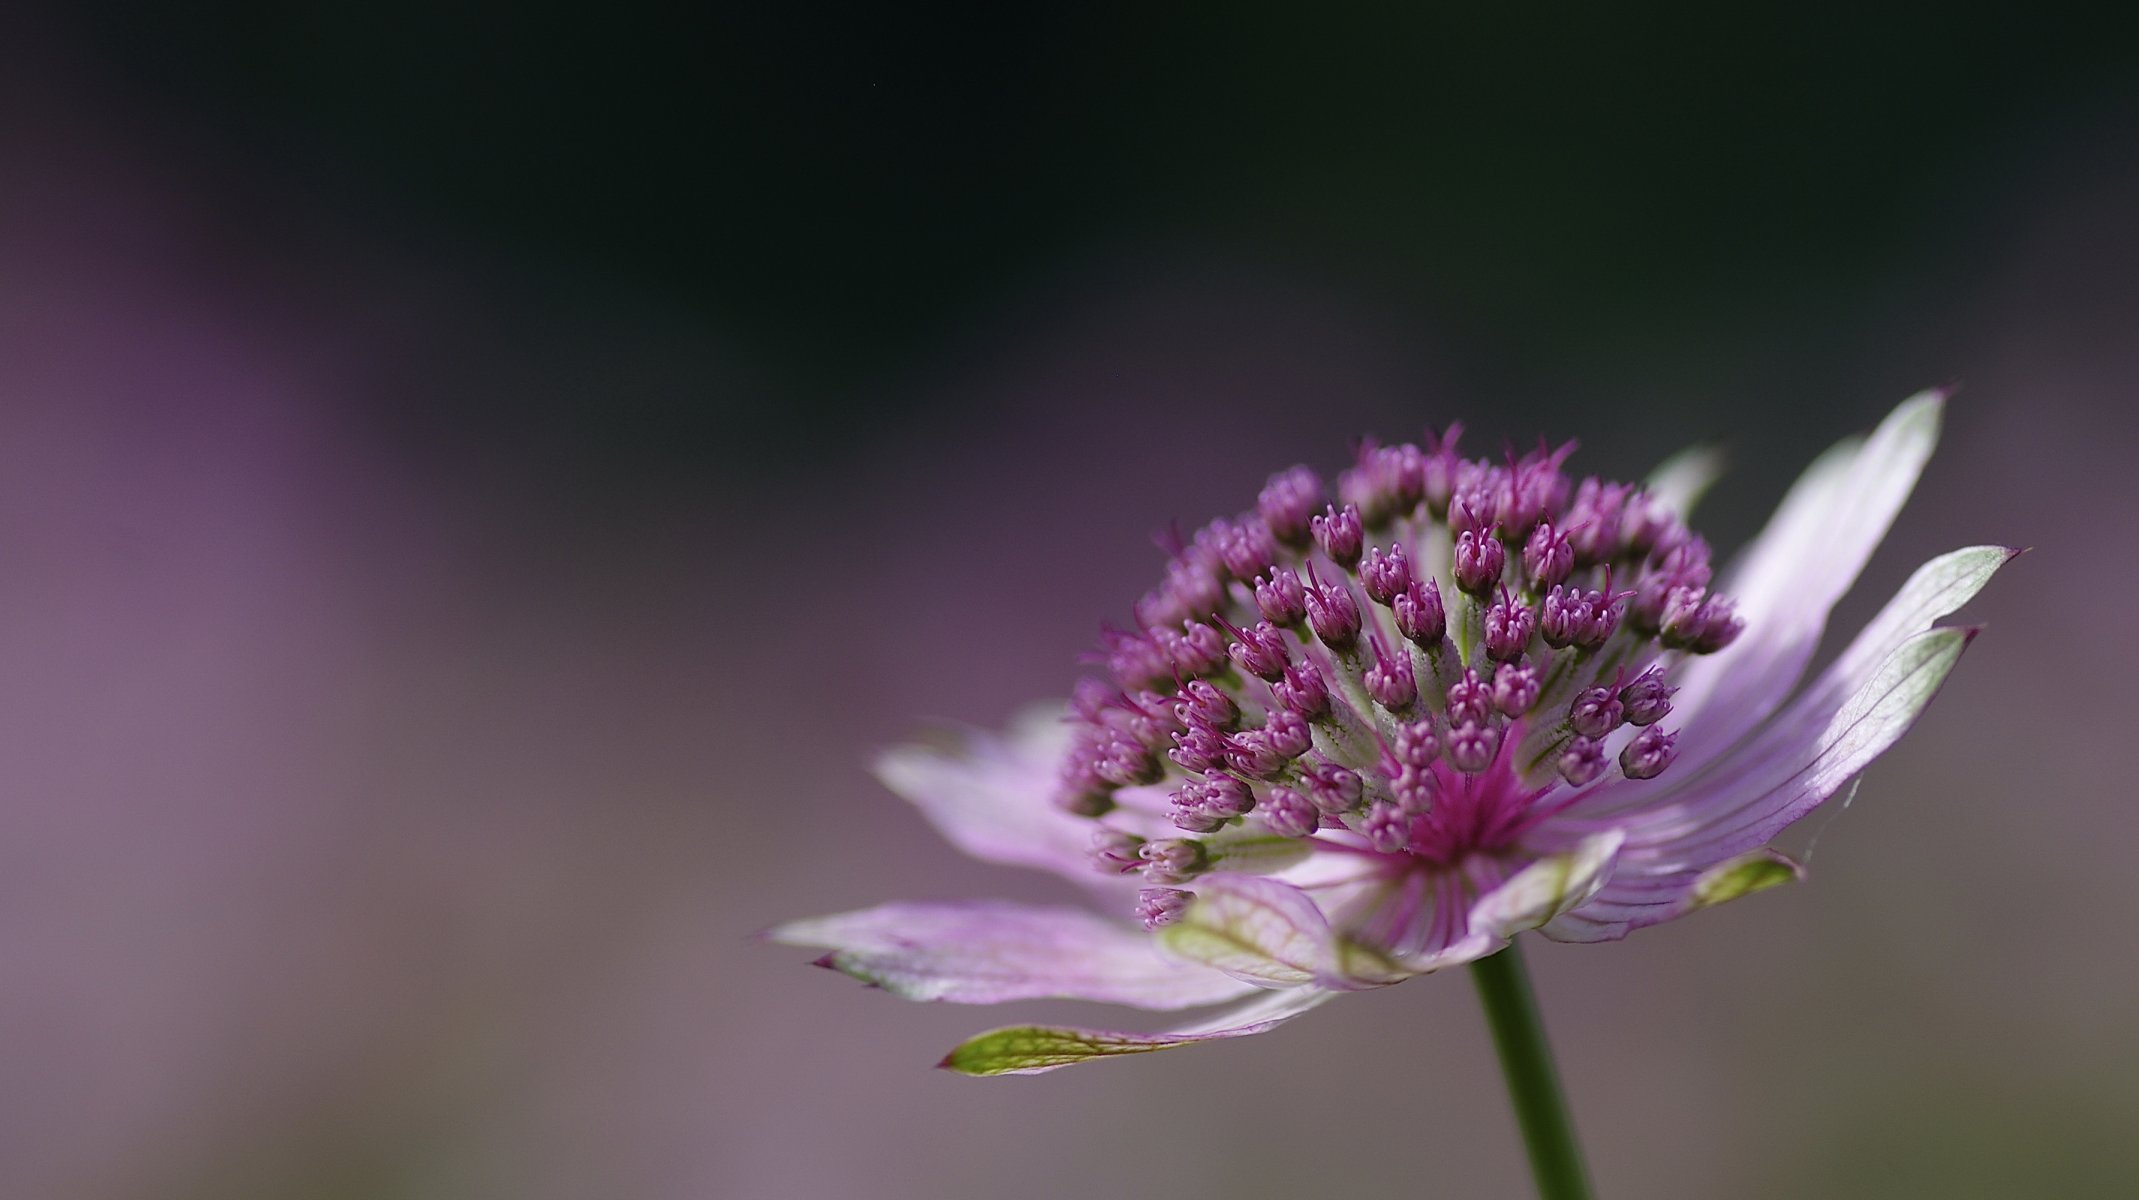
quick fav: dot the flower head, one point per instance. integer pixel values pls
(1360, 738)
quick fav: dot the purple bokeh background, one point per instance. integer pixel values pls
(389, 815)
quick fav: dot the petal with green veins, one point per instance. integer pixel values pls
(1546, 888)
(1253, 929)
(1032, 1049)
(1742, 876)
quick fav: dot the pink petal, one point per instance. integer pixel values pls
(990, 796)
(1033, 1049)
(982, 952)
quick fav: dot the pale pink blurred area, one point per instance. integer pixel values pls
(393, 817)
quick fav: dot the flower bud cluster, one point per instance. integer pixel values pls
(1416, 661)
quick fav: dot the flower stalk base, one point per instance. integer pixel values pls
(1533, 1085)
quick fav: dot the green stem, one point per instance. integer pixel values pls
(1533, 1086)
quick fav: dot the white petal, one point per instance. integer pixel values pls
(1937, 589)
(1391, 929)
(1740, 812)
(983, 952)
(1546, 888)
(1790, 578)
(1032, 1049)
(1635, 898)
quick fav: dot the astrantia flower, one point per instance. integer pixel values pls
(1359, 737)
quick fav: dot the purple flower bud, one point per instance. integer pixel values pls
(1389, 680)
(1148, 717)
(1419, 615)
(1303, 690)
(1564, 614)
(1508, 627)
(1470, 702)
(1647, 699)
(1387, 827)
(1593, 521)
(1648, 754)
(1157, 907)
(1701, 624)
(1340, 534)
(1288, 733)
(1690, 559)
(1334, 789)
(1252, 755)
(1595, 712)
(1196, 651)
(1684, 568)
(1261, 651)
(1287, 503)
(1471, 748)
(1124, 762)
(1474, 509)
(1282, 598)
(1412, 788)
(1205, 707)
(1548, 558)
(1479, 559)
(1534, 489)
(1194, 588)
(1246, 549)
(1198, 750)
(1515, 689)
(1603, 621)
(1388, 481)
(1407, 467)
(1582, 761)
(1721, 628)
(1227, 796)
(1173, 860)
(1289, 814)
(1115, 852)
(1385, 575)
(1333, 615)
(1135, 661)
(1573, 617)
(1187, 810)
(1414, 746)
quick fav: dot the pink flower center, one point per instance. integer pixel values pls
(1422, 669)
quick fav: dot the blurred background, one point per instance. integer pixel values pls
(478, 483)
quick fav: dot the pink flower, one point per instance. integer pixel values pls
(1350, 743)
